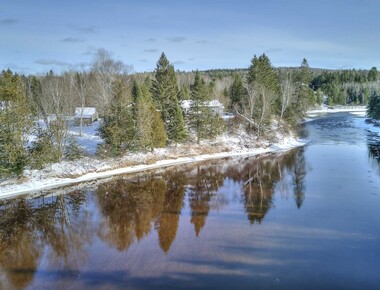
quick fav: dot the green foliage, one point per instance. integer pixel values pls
(373, 74)
(373, 108)
(202, 120)
(347, 86)
(264, 90)
(335, 93)
(15, 124)
(43, 150)
(73, 151)
(150, 129)
(304, 94)
(165, 95)
(118, 127)
(237, 93)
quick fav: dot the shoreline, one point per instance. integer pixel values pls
(87, 170)
(34, 186)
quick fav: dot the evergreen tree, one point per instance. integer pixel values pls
(73, 151)
(201, 119)
(264, 91)
(150, 129)
(43, 150)
(373, 74)
(373, 108)
(304, 94)
(237, 93)
(118, 128)
(15, 124)
(165, 94)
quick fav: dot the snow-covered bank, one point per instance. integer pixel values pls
(326, 109)
(88, 169)
(316, 113)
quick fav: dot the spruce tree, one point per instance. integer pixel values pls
(237, 93)
(165, 94)
(304, 94)
(202, 120)
(15, 124)
(118, 128)
(150, 129)
(265, 87)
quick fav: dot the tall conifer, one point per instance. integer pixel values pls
(165, 94)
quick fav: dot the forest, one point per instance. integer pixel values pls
(142, 111)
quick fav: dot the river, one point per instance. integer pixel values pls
(307, 219)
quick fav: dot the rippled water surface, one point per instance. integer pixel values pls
(307, 219)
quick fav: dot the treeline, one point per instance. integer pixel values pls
(143, 111)
(348, 87)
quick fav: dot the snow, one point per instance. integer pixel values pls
(90, 168)
(87, 112)
(90, 137)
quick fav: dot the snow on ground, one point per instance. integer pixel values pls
(89, 168)
(89, 139)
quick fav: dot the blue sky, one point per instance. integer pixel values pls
(39, 35)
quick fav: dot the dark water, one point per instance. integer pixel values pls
(308, 219)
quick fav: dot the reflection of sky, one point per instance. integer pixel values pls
(40, 35)
(330, 242)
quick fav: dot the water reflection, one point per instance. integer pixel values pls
(373, 143)
(58, 232)
(57, 226)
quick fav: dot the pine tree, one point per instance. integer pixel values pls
(165, 94)
(118, 128)
(15, 124)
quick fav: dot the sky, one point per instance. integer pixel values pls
(39, 35)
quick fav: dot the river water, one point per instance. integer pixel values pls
(307, 219)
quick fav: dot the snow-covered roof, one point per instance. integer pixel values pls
(186, 104)
(87, 112)
(214, 103)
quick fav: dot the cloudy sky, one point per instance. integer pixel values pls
(39, 35)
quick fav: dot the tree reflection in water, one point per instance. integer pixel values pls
(122, 211)
(202, 187)
(56, 225)
(259, 177)
(373, 143)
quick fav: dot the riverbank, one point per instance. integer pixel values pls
(88, 169)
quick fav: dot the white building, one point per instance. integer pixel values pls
(88, 115)
(215, 105)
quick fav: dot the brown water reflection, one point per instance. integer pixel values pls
(53, 238)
